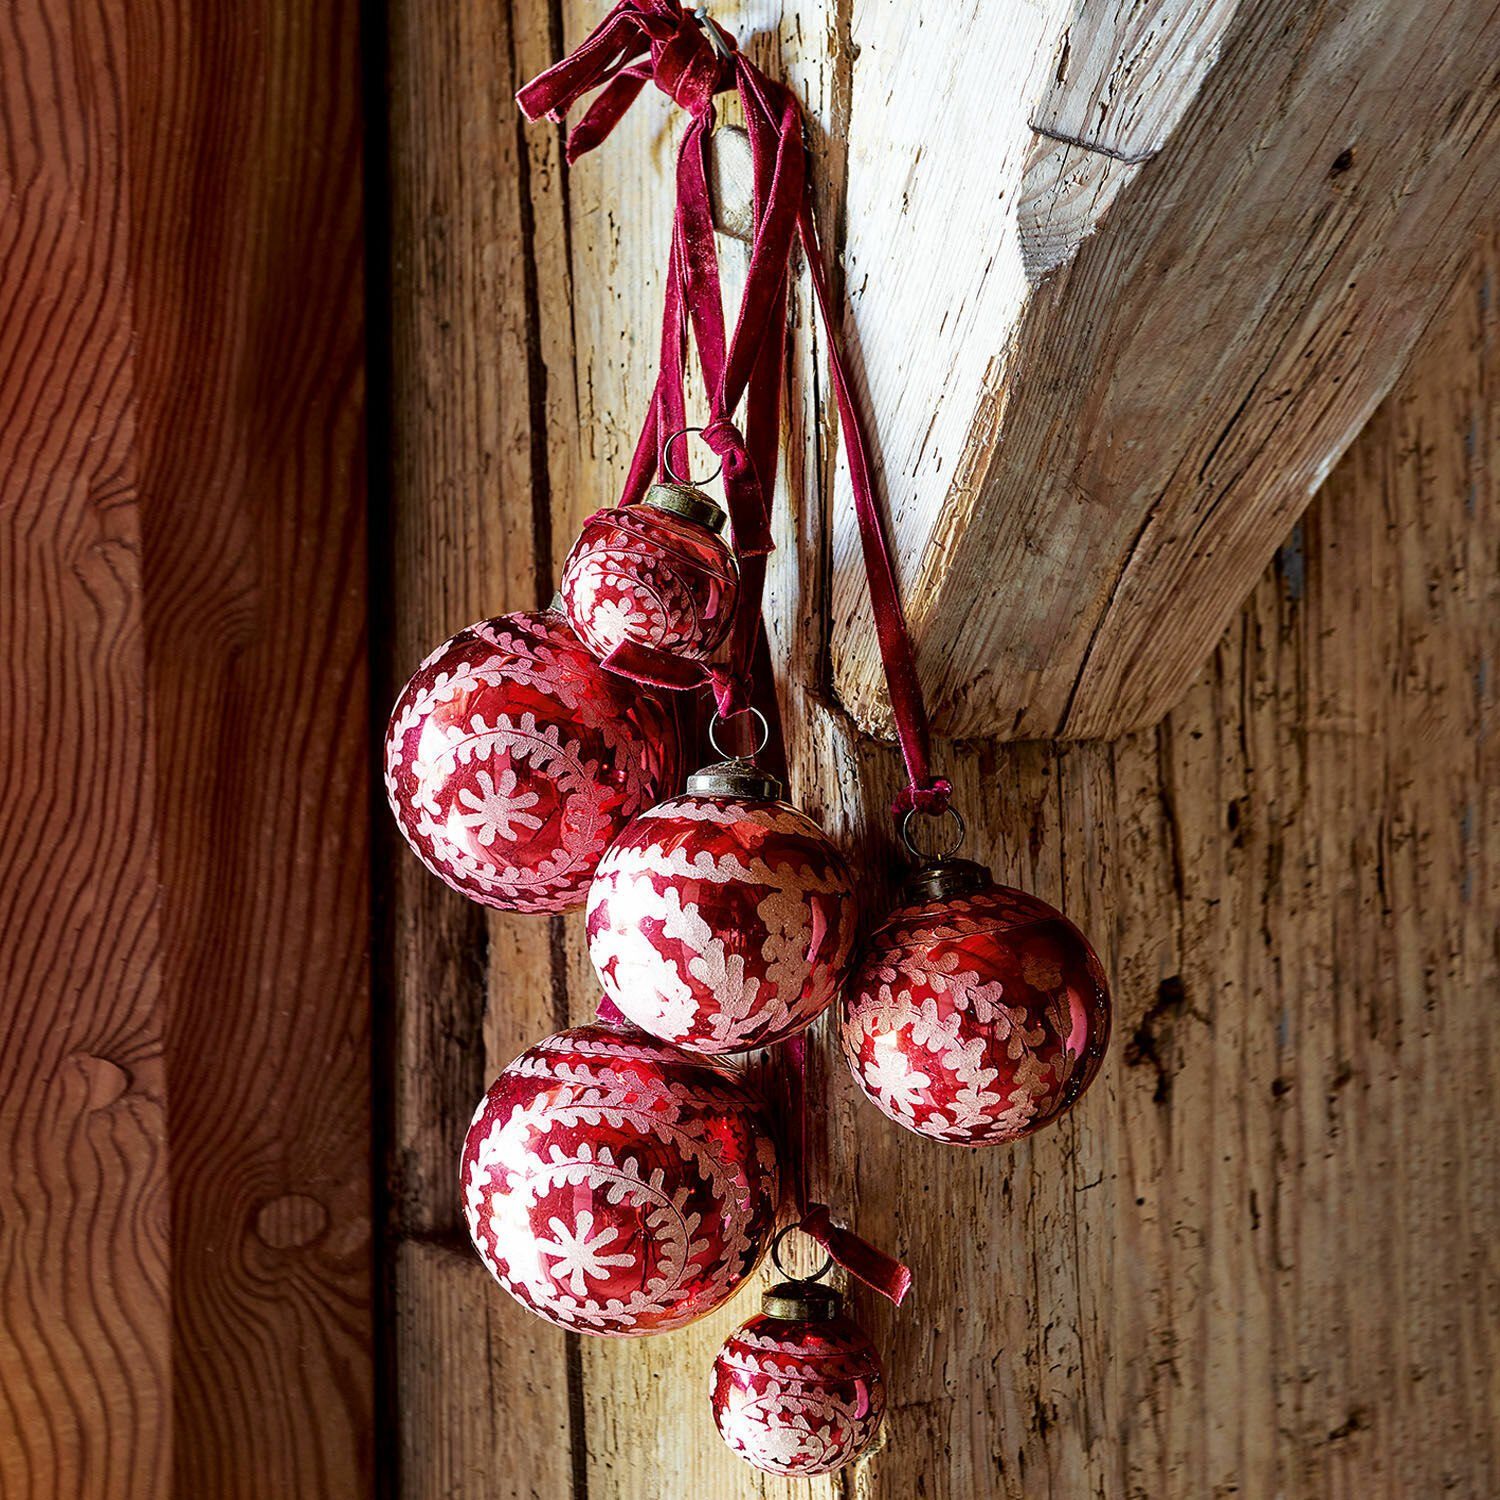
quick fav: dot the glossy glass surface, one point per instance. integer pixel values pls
(976, 1020)
(640, 574)
(513, 759)
(721, 923)
(615, 1185)
(798, 1398)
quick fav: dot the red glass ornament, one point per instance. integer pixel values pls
(798, 1390)
(723, 919)
(977, 1013)
(615, 1185)
(513, 758)
(656, 574)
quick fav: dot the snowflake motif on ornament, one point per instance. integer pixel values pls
(722, 923)
(644, 575)
(512, 759)
(615, 1185)
(798, 1398)
(976, 1017)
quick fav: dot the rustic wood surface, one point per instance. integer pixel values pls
(1185, 248)
(184, 1074)
(1255, 1260)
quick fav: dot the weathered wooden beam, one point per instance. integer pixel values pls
(1126, 280)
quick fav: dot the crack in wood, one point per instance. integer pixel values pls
(1129, 158)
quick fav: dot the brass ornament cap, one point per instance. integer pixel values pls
(943, 879)
(801, 1302)
(736, 777)
(687, 502)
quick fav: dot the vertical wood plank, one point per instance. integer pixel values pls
(244, 167)
(469, 537)
(184, 1231)
(85, 1258)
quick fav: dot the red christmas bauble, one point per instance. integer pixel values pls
(723, 919)
(977, 1013)
(656, 574)
(615, 1185)
(798, 1390)
(513, 758)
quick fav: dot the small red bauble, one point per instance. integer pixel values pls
(655, 574)
(615, 1185)
(513, 758)
(723, 919)
(798, 1390)
(978, 1013)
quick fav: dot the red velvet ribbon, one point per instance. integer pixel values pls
(880, 1272)
(685, 66)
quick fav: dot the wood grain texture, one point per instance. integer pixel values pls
(1255, 1260)
(85, 1253)
(469, 537)
(1185, 247)
(186, 1233)
(475, 1417)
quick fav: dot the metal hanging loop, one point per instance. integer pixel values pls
(776, 1261)
(959, 830)
(672, 474)
(763, 737)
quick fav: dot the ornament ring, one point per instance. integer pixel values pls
(959, 830)
(763, 736)
(666, 460)
(776, 1244)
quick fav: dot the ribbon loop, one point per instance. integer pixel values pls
(683, 64)
(731, 690)
(654, 667)
(744, 494)
(688, 71)
(880, 1272)
(932, 797)
(725, 439)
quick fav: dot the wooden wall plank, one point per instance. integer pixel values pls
(1132, 374)
(244, 165)
(469, 537)
(186, 1286)
(85, 1258)
(476, 1416)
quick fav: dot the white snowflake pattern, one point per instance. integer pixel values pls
(894, 1079)
(614, 621)
(580, 1253)
(783, 1447)
(498, 809)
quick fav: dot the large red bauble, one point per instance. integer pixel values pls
(513, 758)
(615, 1185)
(654, 574)
(799, 1389)
(723, 919)
(977, 1013)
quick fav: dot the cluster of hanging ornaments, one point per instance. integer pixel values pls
(618, 1178)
